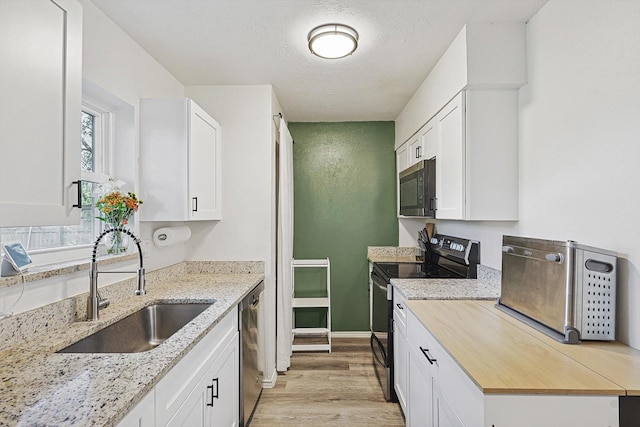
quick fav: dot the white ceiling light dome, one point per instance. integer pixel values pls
(332, 41)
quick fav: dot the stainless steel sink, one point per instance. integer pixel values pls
(143, 330)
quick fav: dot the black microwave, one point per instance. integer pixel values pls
(418, 189)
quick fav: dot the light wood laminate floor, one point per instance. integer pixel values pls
(322, 389)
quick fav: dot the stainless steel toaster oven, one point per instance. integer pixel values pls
(561, 288)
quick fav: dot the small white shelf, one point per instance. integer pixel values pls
(310, 302)
(310, 331)
(313, 302)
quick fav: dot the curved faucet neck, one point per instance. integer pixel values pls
(95, 302)
(113, 230)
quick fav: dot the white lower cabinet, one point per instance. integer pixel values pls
(214, 400)
(419, 410)
(202, 389)
(400, 349)
(143, 414)
(441, 394)
(443, 413)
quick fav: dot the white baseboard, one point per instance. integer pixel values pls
(271, 381)
(353, 334)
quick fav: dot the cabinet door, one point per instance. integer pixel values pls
(214, 400)
(225, 379)
(180, 163)
(400, 364)
(443, 413)
(194, 411)
(415, 149)
(188, 380)
(143, 414)
(40, 107)
(429, 140)
(204, 165)
(402, 157)
(450, 160)
(420, 403)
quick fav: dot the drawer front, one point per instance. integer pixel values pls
(177, 385)
(399, 311)
(461, 393)
(423, 344)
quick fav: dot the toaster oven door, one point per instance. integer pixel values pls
(537, 281)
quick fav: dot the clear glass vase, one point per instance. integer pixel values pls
(116, 242)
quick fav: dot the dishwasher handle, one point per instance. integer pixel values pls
(253, 298)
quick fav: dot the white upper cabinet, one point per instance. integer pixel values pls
(482, 56)
(465, 114)
(180, 162)
(402, 157)
(415, 149)
(40, 107)
(450, 161)
(477, 157)
(421, 146)
(429, 140)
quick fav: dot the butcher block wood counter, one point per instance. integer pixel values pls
(502, 355)
(613, 360)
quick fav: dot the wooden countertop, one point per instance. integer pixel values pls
(502, 355)
(613, 360)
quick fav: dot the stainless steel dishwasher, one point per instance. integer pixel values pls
(251, 360)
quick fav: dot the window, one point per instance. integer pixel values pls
(94, 136)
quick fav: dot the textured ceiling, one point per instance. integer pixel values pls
(247, 42)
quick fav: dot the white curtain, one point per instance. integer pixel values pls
(285, 249)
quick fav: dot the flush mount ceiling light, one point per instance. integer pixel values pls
(332, 41)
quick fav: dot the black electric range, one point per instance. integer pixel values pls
(446, 257)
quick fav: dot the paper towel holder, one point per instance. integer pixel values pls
(168, 236)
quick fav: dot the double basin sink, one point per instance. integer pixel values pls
(143, 330)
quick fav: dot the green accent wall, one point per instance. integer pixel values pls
(345, 200)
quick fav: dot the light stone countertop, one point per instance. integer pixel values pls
(447, 289)
(391, 254)
(485, 287)
(39, 387)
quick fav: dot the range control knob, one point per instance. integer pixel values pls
(434, 241)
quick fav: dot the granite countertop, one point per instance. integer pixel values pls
(392, 254)
(42, 388)
(485, 287)
(443, 289)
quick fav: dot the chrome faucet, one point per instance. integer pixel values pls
(95, 302)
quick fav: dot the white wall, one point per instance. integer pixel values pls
(117, 64)
(247, 229)
(579, 143)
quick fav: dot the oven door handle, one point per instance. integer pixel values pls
(379, 281)
(376, 277)
(375, 341)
